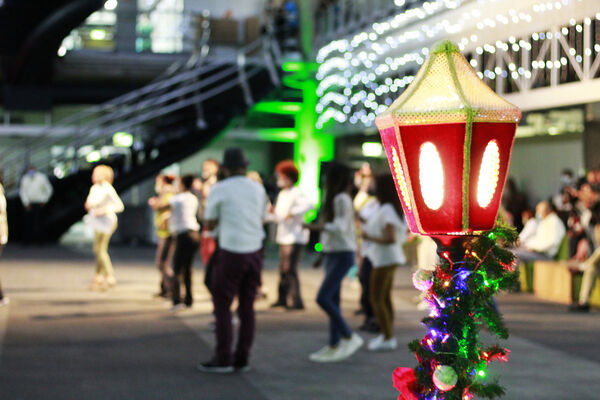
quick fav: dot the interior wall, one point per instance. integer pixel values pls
(536, 164)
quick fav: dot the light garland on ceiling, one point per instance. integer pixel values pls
(350, 67)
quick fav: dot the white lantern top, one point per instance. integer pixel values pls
(447, 90)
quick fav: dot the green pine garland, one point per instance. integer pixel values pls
(462, 301)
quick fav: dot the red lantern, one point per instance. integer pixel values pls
(448, 140)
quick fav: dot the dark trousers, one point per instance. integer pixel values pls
(365, 279)
(234, 275)
(186, 246)
(33, 223)
(164, 253)
(289, 284)
(208, 272)
(337, 265)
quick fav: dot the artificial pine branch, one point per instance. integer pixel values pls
(461, 295)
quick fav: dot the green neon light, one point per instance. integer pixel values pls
(299, 66)
(318, 247)
(313, 146)
(278, 134)
(278, 107)
(293, 66)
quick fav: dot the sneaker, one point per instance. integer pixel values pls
(373, 343)
(384, 345)
(318, 355)
(241, 366)
(350, 346)
(215, 367)
(177, 308)
(277, 304)
(4, 301)
(576, 307)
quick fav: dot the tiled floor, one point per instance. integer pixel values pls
(61, 341)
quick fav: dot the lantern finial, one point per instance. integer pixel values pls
(445, 46)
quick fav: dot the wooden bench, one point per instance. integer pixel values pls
(527, 269)
(560, 282)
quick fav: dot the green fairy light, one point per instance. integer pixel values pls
(453, 340)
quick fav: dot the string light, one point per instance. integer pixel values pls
(376, 50)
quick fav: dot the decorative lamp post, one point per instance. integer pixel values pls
(448, 140)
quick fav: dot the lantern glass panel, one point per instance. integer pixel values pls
(488, 174)
(431, 176)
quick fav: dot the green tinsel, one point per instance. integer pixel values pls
(463, 293)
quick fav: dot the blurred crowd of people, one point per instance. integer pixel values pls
(564, 226)
(222, 213)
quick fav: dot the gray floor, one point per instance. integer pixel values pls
(58, 340)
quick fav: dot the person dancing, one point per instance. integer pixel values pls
(103, 203)
(184, 225)
(387, 232)
(164, 249)
(288, 213)
(3, 234)
(338, 238)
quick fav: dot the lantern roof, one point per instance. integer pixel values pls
(447, 90)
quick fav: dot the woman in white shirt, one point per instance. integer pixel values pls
(288, 213)
(387, 231)
(338, 238)
(3, 232)
(184, 225)
(103, 204)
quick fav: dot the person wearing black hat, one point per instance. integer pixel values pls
(237, 205)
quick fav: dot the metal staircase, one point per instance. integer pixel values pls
(162, 122)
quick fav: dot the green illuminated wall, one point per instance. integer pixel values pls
(311, 146)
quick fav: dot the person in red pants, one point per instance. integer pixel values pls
(237, 205)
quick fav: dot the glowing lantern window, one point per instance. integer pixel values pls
(488, 174)
(400, 178)
(431, 176)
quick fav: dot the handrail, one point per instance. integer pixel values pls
(156, 85)
(158, 98)
(107, 106)
(169, 108)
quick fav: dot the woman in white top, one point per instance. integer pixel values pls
(103, 204)
(338, 238)
(387, 231)
(3, 232)
(184, 225)
(288, 213)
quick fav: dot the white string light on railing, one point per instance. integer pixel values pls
(367, 63)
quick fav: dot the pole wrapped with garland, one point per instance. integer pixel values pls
(460, 292)
(448, 140)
